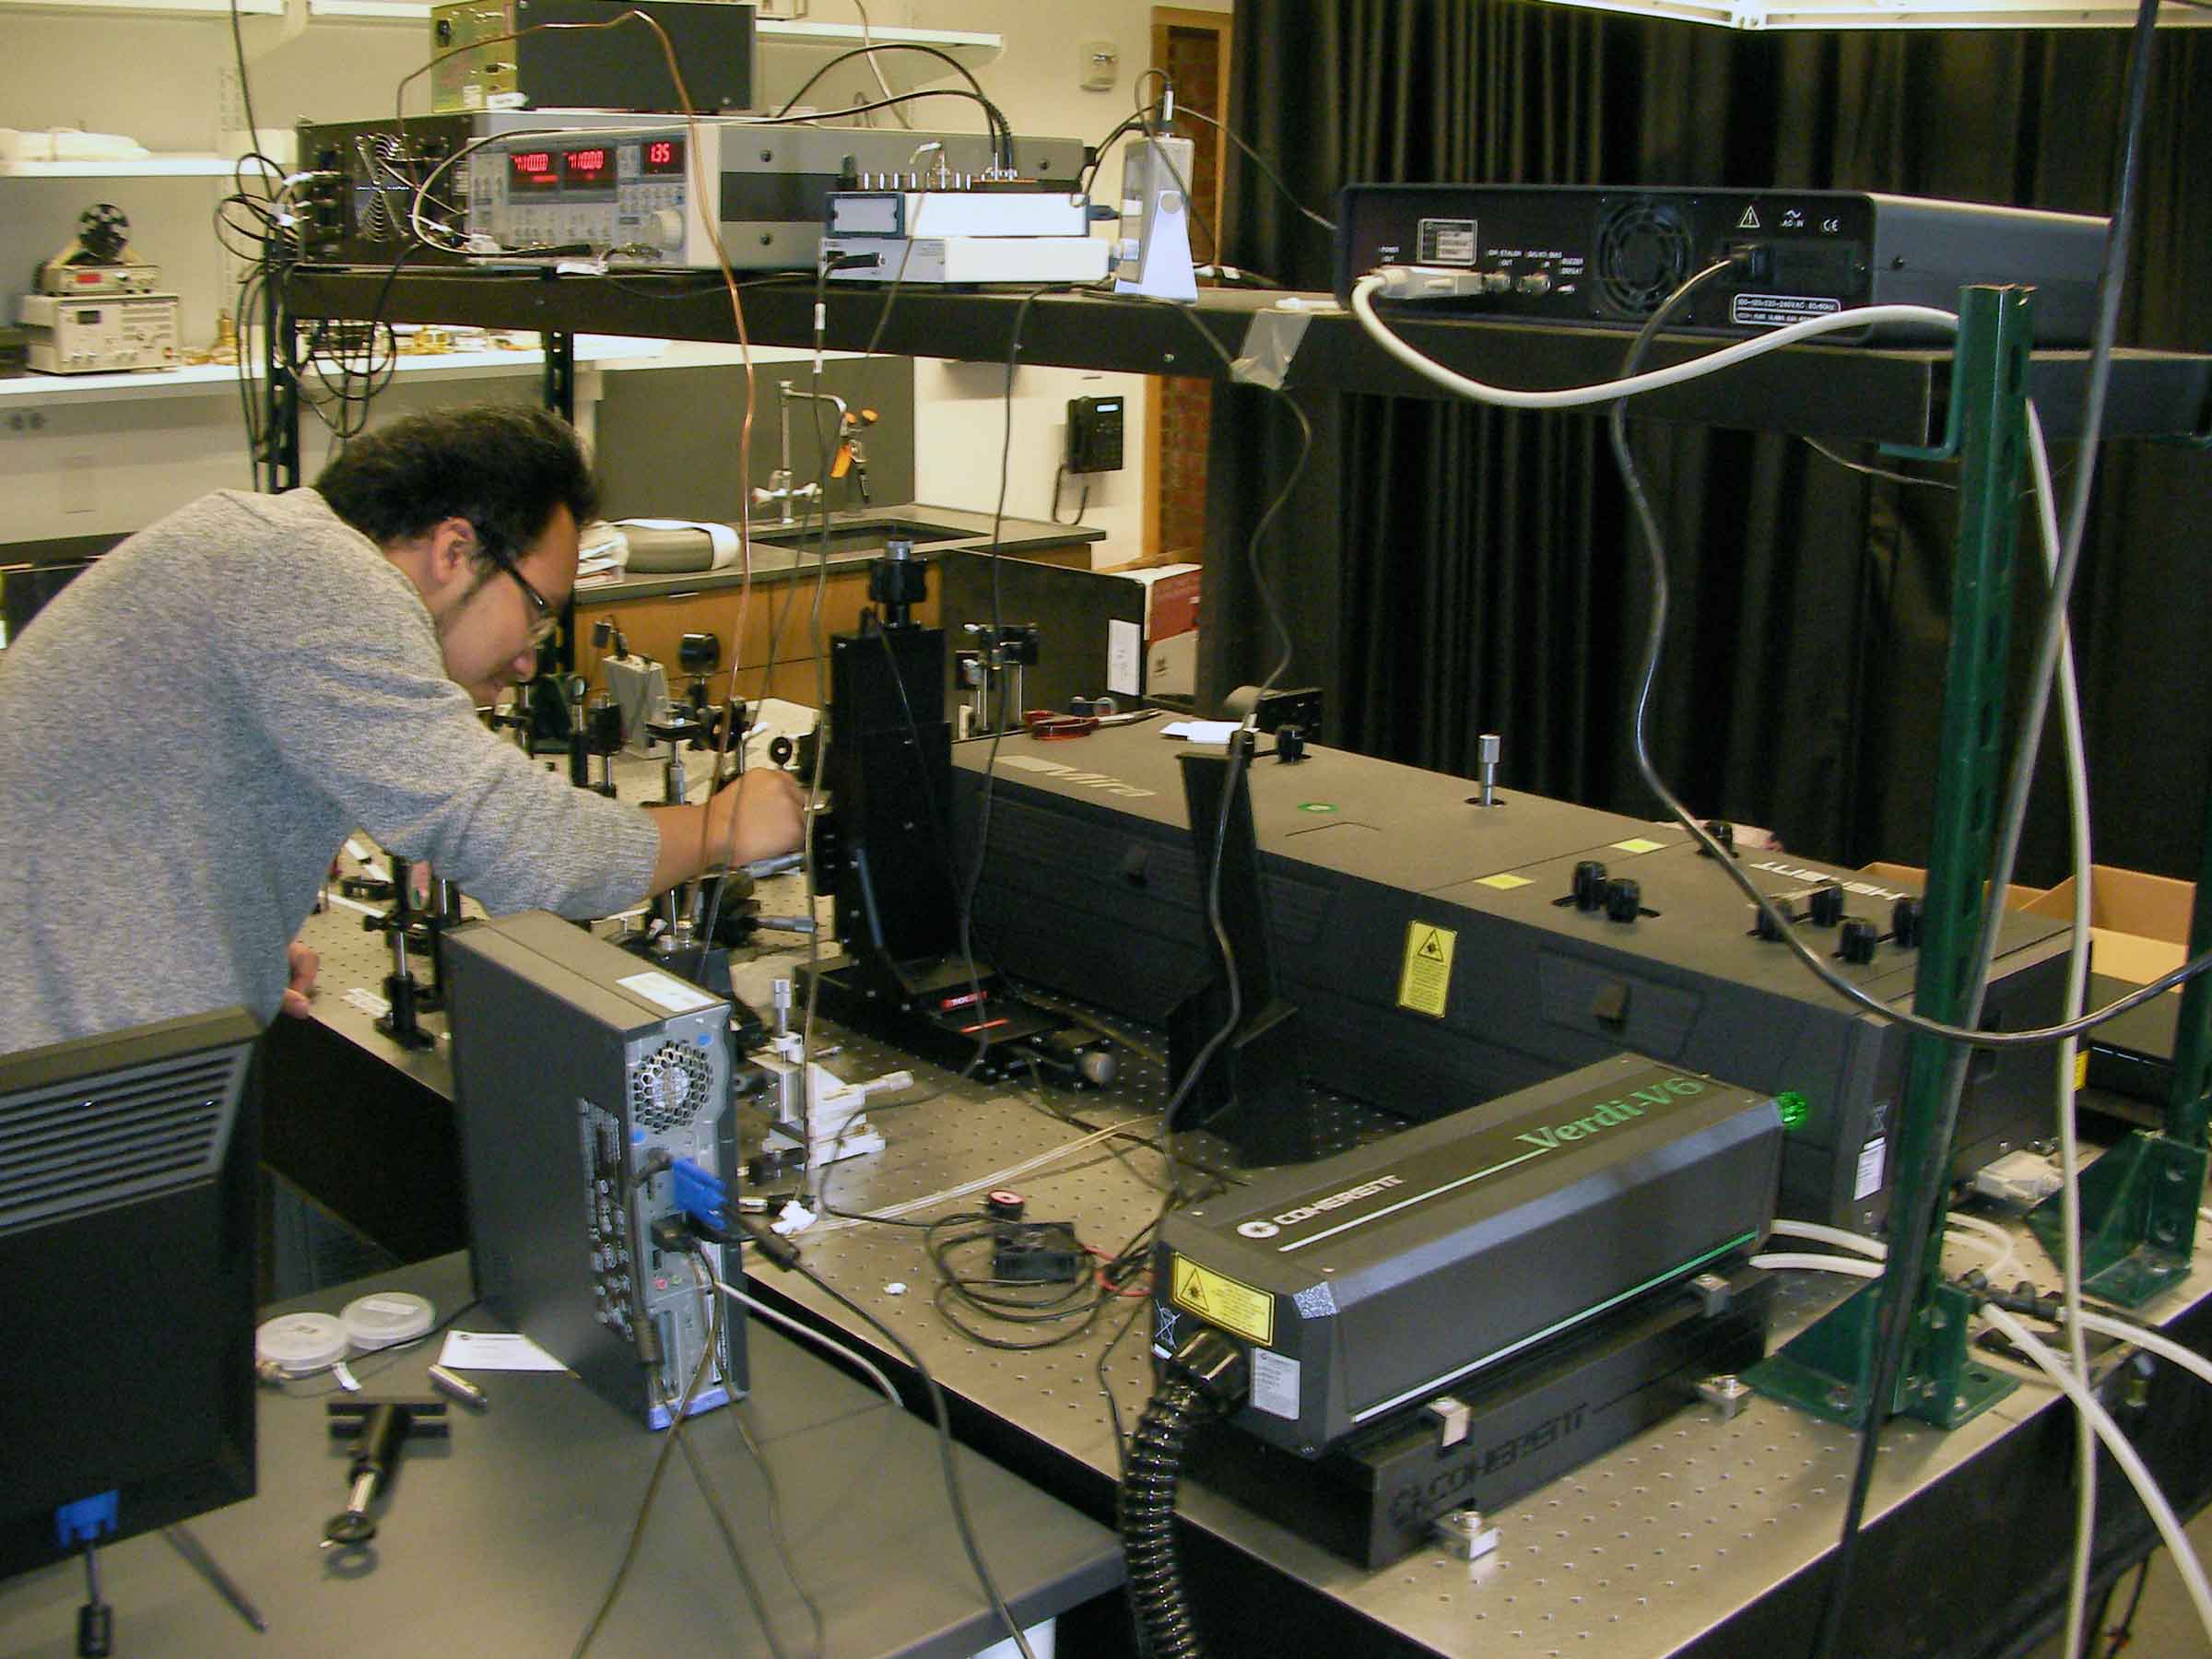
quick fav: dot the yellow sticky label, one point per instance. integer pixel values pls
(1426, 980)
(1638, 844)
(1504, 884)
(1221, 1300)
(2081, 1069)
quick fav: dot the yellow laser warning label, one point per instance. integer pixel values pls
(1426, 979)
(2081, 1070)
(1504, 884)
(1221, 1300)
(1639, 844)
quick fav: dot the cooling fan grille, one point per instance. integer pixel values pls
(1644, 254)
(669, 1088)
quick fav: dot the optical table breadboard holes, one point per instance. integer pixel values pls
(1637, 1554)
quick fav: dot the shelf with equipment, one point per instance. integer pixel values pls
(195, 380)
(791, 48)
(1887, 396)
(150, 8)
(140, 167)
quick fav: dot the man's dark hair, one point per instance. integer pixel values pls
(502, 467)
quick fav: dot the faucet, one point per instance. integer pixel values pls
(781, 492)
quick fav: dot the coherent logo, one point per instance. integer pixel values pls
(1320, 1207)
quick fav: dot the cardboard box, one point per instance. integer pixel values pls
(1165, 641)
(2140, 922)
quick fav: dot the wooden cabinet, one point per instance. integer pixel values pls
(781, 609)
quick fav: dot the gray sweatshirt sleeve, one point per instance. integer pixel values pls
(343, 668)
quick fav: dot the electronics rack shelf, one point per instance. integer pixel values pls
(1886, 396)
(209, 378)
(789, 48)
(125, 167)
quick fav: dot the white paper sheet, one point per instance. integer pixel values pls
(495, 1350)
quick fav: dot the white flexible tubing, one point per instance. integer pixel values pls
(2003, 1249)
(2124, 1455)
(997, 1177)
(2148, 1340)
(1982, 1235)
(1652, 380)
(806, 1332)
(1842, 1237)
(2077, 982)
(1818, 1263)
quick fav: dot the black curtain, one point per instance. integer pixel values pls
(1450, 571)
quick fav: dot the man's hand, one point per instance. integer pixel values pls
(303, 962)
(769, 813)
(759, 815)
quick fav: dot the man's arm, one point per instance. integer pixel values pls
(759, 815)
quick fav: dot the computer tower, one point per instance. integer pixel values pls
(575, 1065)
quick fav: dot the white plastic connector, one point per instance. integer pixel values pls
(2020, 1178)
(1426, 282)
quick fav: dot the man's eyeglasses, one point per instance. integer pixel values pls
(545, 618)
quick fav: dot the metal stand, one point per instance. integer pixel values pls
(1830, 1370)
(991, 670)
(1252, 1095)
(2140, 1201)
(558, 382)
(401, 927)
(280, 385)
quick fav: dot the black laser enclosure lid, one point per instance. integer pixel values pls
(1373, 1281)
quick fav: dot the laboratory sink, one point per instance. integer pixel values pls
(857, 535)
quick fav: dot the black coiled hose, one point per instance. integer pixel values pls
(1147, 1513)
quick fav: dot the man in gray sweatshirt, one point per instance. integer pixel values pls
(189, 731)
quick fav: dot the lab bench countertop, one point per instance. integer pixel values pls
(503, 1538)
(774, 562)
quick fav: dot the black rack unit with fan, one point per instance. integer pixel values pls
(1587, 254)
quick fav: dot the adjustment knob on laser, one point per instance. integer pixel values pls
(1723, 832)
(1624, 899)
(1767, 921)
(1857, 940)
(1904, 923)
(1828, 905)
(1589, 888)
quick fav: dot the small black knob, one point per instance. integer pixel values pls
(1290, 745)
(1828, 905)
(1589, 889)
(1769, 920)
(1624, 899)
(1904, 923)
(1857, 941)
(1723, 832)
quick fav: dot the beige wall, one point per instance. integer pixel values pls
(1037, 83)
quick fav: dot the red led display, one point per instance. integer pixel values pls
(587, 169)
(531, 170)
(662, 156)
